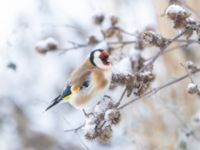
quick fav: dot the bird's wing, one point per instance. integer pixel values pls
(68, 91)
(78, 80)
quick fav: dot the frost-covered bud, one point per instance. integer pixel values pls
(192, 88)
(175, 11)
(154, 39)
(105, 134)
(178, 15)
(190, 66)
(91, 119)
(92, 40)
(52, 43)
(103, 105)
(90, 128)
(46, 45)
(98, 19)
(112, 115)
(114, 20)
(41, 47)
(90, 132)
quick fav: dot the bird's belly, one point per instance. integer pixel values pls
(84, 100)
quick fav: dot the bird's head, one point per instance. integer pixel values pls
(100, 59)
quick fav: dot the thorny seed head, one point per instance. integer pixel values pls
(49, 44)
(112, 115)
(41, 49)
(143, 82)
(114, 20)
(192, 88)
(152, 38)
(93, 40)
(178, 15)
(190, 66)
(105, 134)
(98, 19)
(91, 135)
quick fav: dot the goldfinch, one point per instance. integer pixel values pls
(88, 82)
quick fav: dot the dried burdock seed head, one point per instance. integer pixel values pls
(175, 11)
(91, 135)
(46, 45)
(92, 40)
(192, 88)
(121, 79)
(103, 105)
(52, 44)
(154, 39)
(190, 66)
(98, 19)
(41, 47)
(105, 134)
(114, 20)
(178, 15)
(90, 127)
(112, 115)
(143, 82)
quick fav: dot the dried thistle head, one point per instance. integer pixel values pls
(98, 19)
(114, 20)
(192, 88)
(92, 40)
(113, 116)
(91, 135)
(143, 82)
(178, 15)
(89, 129)
(49, 44)
(105, 134)
(52, 44)
(154, 39)
(190, 66)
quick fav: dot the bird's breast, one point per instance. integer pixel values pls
(91, 95)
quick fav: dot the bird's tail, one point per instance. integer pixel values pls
(54, 102)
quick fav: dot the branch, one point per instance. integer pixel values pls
(75, 129)
(155, 90)
(162, 50)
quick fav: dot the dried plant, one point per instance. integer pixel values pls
(137, 82)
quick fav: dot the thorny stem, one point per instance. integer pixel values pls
(155, 90)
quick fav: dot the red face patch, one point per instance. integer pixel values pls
(104, 57)
(104, 53)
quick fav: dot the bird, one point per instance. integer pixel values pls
(88, 82)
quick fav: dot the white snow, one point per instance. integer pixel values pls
(175, 9)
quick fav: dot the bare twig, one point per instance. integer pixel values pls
(75, 129)
(124, 31)
(122, 96)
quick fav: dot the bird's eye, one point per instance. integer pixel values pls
(104, 58)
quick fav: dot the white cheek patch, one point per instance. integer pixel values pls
(98, 62)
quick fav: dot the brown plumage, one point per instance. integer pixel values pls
(88, 81)
(99, 83)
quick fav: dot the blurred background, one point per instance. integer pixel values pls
(30, 78)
